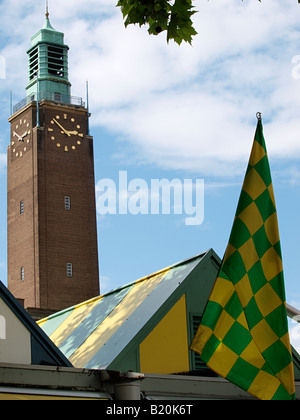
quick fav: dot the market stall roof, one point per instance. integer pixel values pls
(93, 334)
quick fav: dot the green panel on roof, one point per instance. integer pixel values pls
(93, 319)
(53, 323)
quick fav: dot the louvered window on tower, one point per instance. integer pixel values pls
(33, 63)
(56, 61)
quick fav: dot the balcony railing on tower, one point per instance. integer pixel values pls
(55, 97)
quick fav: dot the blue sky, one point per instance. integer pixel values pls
(163, 111)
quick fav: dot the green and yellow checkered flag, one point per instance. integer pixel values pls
(243, 335)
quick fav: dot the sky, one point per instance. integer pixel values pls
(163, 111)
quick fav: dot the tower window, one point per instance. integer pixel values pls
(22, 273)
(67, 203)
(70, 270)
(57, 97)
(33, 63)
(56, 61)
(21, 208)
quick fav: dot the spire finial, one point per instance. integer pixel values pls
(47, 9)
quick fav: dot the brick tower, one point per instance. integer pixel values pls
(52, 235)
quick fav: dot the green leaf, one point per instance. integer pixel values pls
(181, 26)
(175, 17)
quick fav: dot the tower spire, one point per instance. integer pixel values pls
(47, 9)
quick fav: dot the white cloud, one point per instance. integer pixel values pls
(295, 336)
(294, 332)
(178, 107)
(107, 285)
(294, 327)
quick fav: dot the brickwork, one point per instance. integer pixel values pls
(57, 162)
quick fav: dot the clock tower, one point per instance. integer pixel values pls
(52, 233)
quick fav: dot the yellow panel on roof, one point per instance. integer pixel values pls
(166, 349)
(116, 318)
(75, 318)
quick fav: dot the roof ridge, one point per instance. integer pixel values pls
(178, 264)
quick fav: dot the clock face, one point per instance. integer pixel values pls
(65, 132)
(20, 137)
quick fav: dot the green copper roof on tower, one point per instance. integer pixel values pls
(47, 24)
(48, 64)
(48, 34)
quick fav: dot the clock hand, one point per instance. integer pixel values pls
(74, 133)
(65, 131)
(19, 137)
(24, 135)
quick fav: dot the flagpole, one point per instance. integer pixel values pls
(88, 107)
(37, 102)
